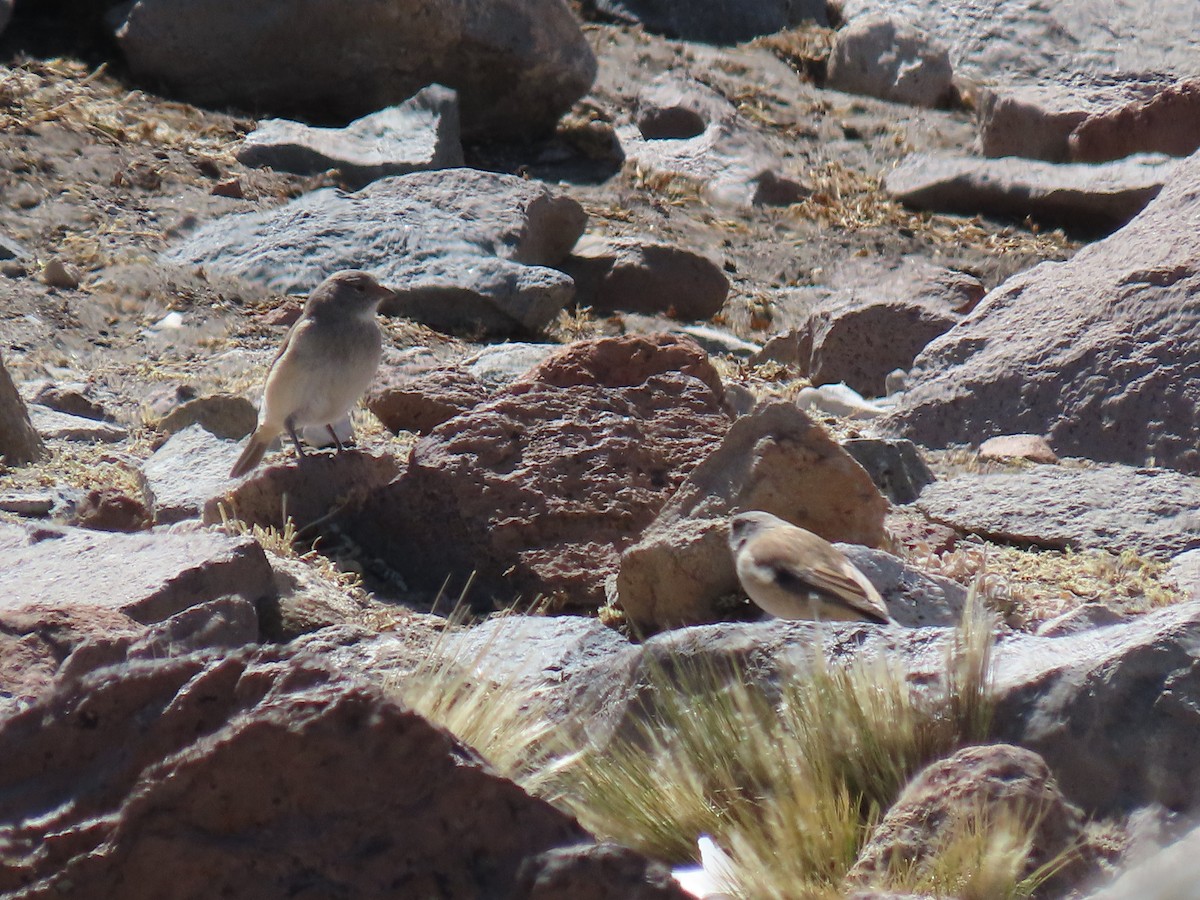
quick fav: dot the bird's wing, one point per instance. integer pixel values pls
(807, 560)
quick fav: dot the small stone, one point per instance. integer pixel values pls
(1031, 447)
(225, 415)
(109, 509)
(230, 187)
(53, 424)
(58, 274)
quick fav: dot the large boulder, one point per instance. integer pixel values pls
(539, 489)
(880, 56)
(517, 66)
(167, 774)
(466, 250)
(1099, 354)
(19, 440)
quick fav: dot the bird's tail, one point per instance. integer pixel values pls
(253, 454)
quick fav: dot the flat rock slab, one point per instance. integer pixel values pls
(186, 472)
(146, 576)
(463, 247)
(1155, 512)
(517, 66)
(1091, 196)
(51, 423)
(1099, 354)
(418, 135)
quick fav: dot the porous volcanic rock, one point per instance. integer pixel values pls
(1099, 353)
(775, 459)
(404, 403)
(539, 489)
(517, 66)
(166, 774)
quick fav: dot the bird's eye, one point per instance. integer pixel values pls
(360, 287)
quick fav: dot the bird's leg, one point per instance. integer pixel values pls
(337, 440)
(291, 429)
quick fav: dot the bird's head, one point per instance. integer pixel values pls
(744, 526)
(350, 290)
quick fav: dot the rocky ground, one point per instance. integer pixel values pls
(705, 281)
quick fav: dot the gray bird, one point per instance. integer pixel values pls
(792, 573)
(326, 362)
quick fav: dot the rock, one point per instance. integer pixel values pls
(374, 799)
(873, 316)
(516, 67)
(895, 466)
(776, 459)
(1035, 119)
(987, 782)
(1112, 710)
(1099, 196)
(322, 488)
(1028, 40)
(466, 249)
(1030, 447)
(421, 404)
(224, 415)
(109, 509)
(57, 274)
(20, 442)
(1081, 618)
(502, 364)
(186, 472)
(53, 424)
(644, 276)
(9, 247)
(34, 504)
(1090, 352)
(839, 400)
(304, 603)
(914, 599)
(419, 134)
(1166, 122)
(1171, 872)
(596, 872)
(1185, 573)
(686, 132)
(712, 21)
(885, 57)
(74, 399)
(718, 340)
(1114, 508)
(146, 576)
(539, 489)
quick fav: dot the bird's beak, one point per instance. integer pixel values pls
(383, 293)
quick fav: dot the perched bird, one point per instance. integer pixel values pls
(794, 574)
(326, 362)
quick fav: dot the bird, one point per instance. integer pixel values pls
(792, 573)
(326, 362)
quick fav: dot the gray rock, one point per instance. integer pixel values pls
(1028, 39)
(1098, 354)
(51, 423)
(687, 132)
(885, 57)
(19, 439)
(147, 576)
(502, 364)
(465, 248)
(77, 399)
(1114, 508)
(1035, 119)
(643, 275)
(1170, 874)
(718, 340)
(224, 415)
(913, 598)
(9, 247)
(1166, 121)
(1081, 618)
(1185, 573)
(1099, 196)
(517, 66)
(420, 134)
(713, 21)
(186, 472)
(895, 466)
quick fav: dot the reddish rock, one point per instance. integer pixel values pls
(539, 490)
(254, 775)
(775, 459)
(989, 781)
(225, 415)
(873, 317)
(420, 404)
(1168, 121)
(1099, 353)
(1031, 447)
(74, 399)
(147, 576)
(108, 509)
